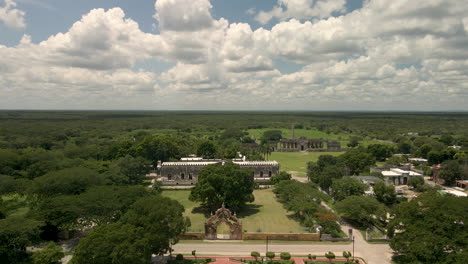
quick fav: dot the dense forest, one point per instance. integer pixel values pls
(71, 170)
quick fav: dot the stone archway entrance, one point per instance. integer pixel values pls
(229, 220)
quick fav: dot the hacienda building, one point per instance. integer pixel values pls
(185, 172)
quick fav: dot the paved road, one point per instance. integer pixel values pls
(372, 253)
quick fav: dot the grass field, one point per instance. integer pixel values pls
(264, 215)
(343, 138)
(296, 162)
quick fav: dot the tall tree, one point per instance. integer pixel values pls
(450, 172)
(16, 233)
(282, 176)
(360, 209)
(347, 186)
(357, 160)
(67, 181)
(155, 148)
(151, 226)
(226, 183)
(133, 169)
(385, 194)
(430, 229)
(207, 150)
(380, 151)
(272, 135)
(48, 255)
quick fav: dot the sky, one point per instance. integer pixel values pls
(315, 55)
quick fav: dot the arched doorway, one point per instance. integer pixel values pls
(223, 231)
(223, 225)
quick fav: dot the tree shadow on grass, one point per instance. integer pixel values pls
(294, 217)
(202, 210)
(247, 210)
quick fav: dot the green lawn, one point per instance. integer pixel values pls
(296, 162)
(343, 138)
(264, 215)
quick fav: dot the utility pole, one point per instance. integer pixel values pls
(353, 248)
(266, 245)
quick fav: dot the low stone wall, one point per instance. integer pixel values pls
(369, 237)
(282, 236)
(261, 236)
(193, 236)
(327, 237)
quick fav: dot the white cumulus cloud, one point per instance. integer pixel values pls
(386, 55)
(11, 16)
(301, 9)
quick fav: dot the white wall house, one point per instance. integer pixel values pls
(398, 176)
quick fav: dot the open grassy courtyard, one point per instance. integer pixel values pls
(296, 162)
(266, 214)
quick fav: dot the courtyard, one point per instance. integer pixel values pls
(265, 214)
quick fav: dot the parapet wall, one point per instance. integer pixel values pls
(193, 236)
(261, 236)
(282, 236)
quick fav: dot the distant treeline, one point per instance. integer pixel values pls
(381, 125)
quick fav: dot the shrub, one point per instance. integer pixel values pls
(270, 255)
(50, 254)
(179, 257)
(347, 255)
(285, 256)
(330, 256)
(255, 254)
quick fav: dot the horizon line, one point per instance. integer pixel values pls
(235, 110)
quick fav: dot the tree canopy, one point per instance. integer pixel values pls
(282, 176)
(206, 150)
(272, 135)
(67, 181)
(385, 194)
(151, 226)
(360, 209)
(16, 233)
(132, 170)
(48, 255)
(226, 183)
(347, 186)
(431, 228)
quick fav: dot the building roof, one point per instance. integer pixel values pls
(209, 162)
(395, 172)
(418, 159)
(411, 173)
(191, 158)
(189, 163)
(256, 163)
(390, 173)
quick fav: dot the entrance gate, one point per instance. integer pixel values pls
(224, 216)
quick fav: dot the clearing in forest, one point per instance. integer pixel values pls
(296, 162)
(266, 214)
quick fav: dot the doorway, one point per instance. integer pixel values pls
(223, 231)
